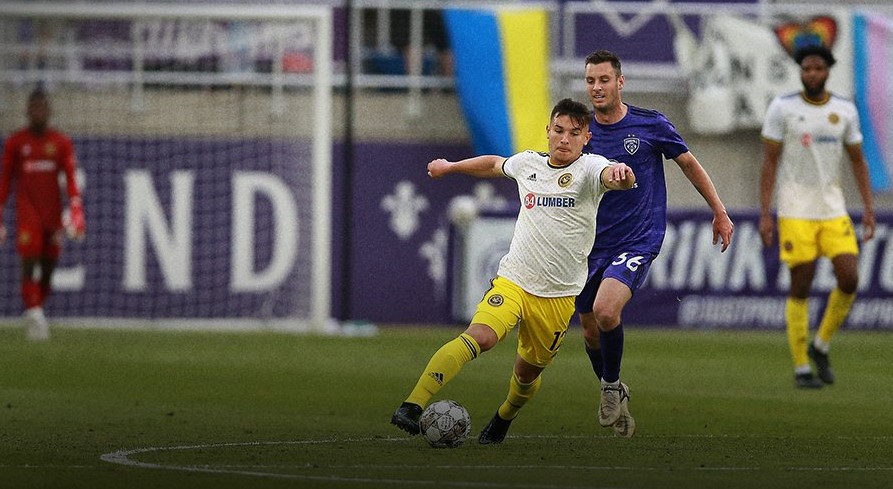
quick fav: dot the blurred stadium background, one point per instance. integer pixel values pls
(261, 165)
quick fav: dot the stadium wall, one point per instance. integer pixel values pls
(400, 270)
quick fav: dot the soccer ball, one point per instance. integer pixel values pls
(445, 424)
(463, 209)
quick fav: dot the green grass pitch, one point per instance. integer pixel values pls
(715, 409)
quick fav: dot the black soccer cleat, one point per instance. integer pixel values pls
(495, 430)
(807, 381)
(822, 364)
(406, 417)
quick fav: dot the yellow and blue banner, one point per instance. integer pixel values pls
(501, 60)
(873, 68)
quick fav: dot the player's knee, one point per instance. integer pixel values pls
(484, 335)
(606, 319)
(848, 284)
(589, 324)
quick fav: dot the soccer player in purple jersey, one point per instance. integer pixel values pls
(630, 225)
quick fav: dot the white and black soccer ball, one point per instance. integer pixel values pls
(445, 424)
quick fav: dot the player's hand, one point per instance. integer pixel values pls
(619, 176)
(723, 229)
(438, 168)
(868, 225)
(767, 230)
(77, 228)
(2, 234)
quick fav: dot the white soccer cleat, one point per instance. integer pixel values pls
(38, 328)
(615, 397)
(625, 427)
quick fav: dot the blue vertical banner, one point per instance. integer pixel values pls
(501, 59)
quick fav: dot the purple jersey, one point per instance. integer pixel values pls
(635, 220)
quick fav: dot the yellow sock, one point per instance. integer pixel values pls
(443, 366)
(518, 396)
(797, 318)
(836, 311)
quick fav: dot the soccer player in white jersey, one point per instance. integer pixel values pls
(804, 137)
(543, 271)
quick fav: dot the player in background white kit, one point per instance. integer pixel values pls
(804, 137)
(543, 271)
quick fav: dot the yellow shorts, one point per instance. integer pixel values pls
(542, 321)
(804, 240)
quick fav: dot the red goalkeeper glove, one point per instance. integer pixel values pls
(77, 227)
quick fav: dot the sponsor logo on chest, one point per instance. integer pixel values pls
(39, 166)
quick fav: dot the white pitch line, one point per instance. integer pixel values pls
(123, 457)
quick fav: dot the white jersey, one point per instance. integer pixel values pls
(813, 137)
(556, 224)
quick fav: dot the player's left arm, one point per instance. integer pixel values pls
(860, 171)
(618, 177)
(697, 175)
(75, 204)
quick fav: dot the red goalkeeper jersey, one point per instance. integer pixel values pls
(34, 162)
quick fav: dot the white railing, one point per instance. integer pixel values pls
(365, 39)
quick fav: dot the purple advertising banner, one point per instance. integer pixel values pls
(183, 228)
(640, 36)
(217, 229)
(693, 285)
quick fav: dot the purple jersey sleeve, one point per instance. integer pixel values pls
(636, 219)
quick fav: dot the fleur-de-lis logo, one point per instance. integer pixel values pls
(404, 205)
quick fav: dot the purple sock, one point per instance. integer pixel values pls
(612, 352)
(595, 358)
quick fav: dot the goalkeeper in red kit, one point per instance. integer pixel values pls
(33, 158)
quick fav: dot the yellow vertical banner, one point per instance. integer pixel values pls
(525, 54)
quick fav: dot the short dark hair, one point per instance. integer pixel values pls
(814, 50)
(577, 112)
(604, 56)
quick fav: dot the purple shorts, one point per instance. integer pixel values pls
(629, 267)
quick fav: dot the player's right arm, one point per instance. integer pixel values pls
(771, 153)
(5, 181)
(485, 166)
(772, 134)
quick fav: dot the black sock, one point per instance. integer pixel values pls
(612, 351)
(595, 357)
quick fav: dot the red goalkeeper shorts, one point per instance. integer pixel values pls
(35, 241)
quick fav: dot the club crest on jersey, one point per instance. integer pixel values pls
(565, 180)
(50, 149)
(495, 300)
(833, 118)
(631, 144)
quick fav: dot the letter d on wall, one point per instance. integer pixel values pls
(247, 187)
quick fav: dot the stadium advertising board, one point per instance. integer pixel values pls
(191, 229)
(693, 285)
(194, 229)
